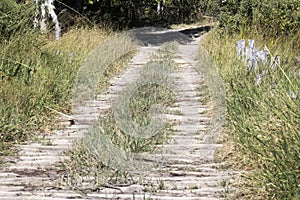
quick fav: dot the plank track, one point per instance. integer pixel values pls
(189, 171)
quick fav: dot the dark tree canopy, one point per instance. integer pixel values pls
(272, 16)
(133, 13)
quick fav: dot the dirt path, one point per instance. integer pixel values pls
(189, 171)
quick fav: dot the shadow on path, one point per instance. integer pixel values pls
(154, 36)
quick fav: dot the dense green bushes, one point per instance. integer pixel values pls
(136, 13)
(271, 17)
(15, 18)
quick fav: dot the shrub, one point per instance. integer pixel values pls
(270, 16)
(15, 19)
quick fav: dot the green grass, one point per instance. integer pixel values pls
(262, 128)
(35, 76)
(31, 80)
(36, 73)
(103, 153)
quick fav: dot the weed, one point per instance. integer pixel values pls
(44, 140)
(161, 185)
(194, 187)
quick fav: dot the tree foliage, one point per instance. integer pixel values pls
(135, 13)
(270, 16)
(273, 16)
(14, 18)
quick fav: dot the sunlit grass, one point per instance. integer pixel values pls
(205, 21)
(36, 73)
(262, 119)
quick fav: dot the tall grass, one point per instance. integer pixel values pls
(263, 120)
(36, 72)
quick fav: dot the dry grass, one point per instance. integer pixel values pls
(203, 22)
(262, 128)
(76, 43)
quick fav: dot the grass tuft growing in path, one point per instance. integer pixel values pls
(107, 142)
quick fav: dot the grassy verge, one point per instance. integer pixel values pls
(36, 73)
(262, 130)
(98, 158)
(37, 76)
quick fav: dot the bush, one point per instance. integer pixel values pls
(135, 13)
(15, 19)
(269, 16)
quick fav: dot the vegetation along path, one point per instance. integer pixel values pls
(185, 165)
